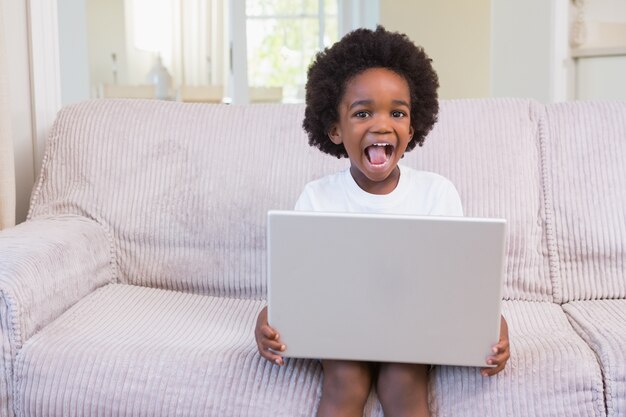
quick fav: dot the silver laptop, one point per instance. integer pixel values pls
(386, 288)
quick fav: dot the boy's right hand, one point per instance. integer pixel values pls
(267, 338)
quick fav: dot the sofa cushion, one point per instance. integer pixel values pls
(552, 372)
(184, 188)
(127, 351)
(127, 348)
(492, 150)
(602, 324)
(585, 161)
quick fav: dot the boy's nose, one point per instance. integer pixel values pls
(382, 124)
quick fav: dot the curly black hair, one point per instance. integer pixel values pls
(356, 52)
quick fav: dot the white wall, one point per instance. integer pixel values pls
(15, 28)
(606, 10)
(74, 58)
(106, 34)
(454, 33)
(529, 49)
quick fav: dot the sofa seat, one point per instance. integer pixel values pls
(552, 372)
(127, 350)
(602, 324)
(133, 351)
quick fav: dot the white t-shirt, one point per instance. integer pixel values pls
(417, 193)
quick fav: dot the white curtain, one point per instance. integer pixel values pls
(199, 49)
(7, 164)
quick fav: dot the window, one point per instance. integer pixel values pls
(216, 49)
(283, 36)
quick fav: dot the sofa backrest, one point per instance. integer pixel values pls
(184, 188)
(586, 161)
(491, 150)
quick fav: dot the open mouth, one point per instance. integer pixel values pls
(379, 153)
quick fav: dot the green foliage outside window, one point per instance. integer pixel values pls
(283, 38)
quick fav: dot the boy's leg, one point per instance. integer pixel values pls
(345, 388)
(403, 389)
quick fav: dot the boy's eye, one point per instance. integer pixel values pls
(398, 114)
(361, 114)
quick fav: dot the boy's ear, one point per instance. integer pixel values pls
(411, 131)
(335, 135)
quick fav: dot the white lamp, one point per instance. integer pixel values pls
(161, 78)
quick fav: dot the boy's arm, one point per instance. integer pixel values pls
(501, 351)
(268, 340)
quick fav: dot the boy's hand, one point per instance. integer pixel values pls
(501, 352)
(267, 338)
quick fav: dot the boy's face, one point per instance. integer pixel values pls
(375, 127)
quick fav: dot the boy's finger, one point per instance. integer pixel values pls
(501, 358)
(500, 347)
(505, 354)
(274, 345)
(491, 371)
(498, 359)
(272, 357)
(269, 333)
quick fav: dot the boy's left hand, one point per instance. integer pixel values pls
(501, 352)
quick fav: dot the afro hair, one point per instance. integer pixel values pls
(356, 52)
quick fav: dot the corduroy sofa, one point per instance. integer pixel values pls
(133, 287)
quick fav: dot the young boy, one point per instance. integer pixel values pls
(372, 97)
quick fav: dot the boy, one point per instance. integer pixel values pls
(372, 97)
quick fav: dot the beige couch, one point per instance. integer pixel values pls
(133, 288)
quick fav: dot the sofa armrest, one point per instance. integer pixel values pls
(46, 266)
